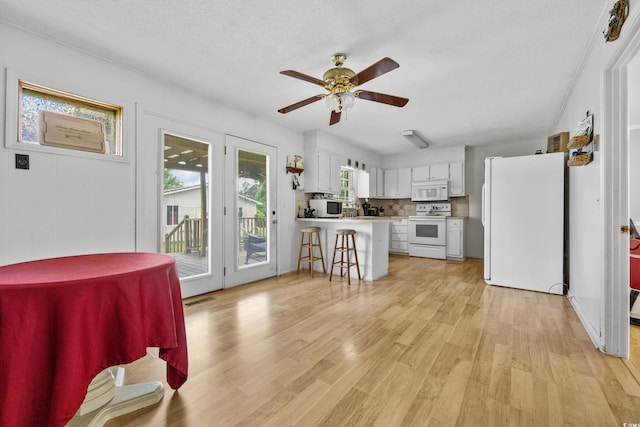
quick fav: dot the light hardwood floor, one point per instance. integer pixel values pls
(430, 344)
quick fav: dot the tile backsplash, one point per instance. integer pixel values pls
(405, 207)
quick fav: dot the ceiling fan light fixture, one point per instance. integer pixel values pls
(347, 98)
(332, 101)
(341, 84)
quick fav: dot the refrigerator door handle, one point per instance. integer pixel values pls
(483, 202)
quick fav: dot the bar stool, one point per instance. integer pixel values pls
(309, 245)
(344, 249)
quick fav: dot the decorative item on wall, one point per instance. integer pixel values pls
(617, 15)
(295, 164)
(580, 145)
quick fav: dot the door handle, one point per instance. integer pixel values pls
(483, 202)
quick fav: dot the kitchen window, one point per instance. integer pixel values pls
(347, 187)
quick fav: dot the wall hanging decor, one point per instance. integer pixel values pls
(295, 164)
(617, 16)
(580, 145)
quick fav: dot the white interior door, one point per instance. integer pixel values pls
(250, 211)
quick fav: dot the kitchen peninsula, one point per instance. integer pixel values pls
(372, 242)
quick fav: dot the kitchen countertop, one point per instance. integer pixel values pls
(352, 219)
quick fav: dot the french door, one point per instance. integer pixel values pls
(189, 209)
(250, 211)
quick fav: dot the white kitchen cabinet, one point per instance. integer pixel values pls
(323, 176)
(452, 172)
(337, 161)
(439, 171)
(455, 238)
(404, 182)
(390, 182)
(379, 182)
(398, 240)
(456, 179)
(322, 171)
(420, 173)
(373, 181)
(397, 183)
(362, 184)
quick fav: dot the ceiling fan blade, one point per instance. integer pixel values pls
(300, 104)
(304, 77)
(335, 118)
(379, 68)
(396, 101)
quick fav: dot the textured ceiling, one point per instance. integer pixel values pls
(476, 72)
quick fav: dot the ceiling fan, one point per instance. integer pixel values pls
(341, 82)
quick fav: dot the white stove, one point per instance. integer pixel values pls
(428, 230)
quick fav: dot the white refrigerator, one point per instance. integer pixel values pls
(523, 218)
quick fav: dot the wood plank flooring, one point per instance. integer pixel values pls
(428, 345)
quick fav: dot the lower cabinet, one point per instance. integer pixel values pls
(455, 238)
(398, 241)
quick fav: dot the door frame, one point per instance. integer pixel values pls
(615, 194)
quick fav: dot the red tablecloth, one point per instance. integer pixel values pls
(64, 320)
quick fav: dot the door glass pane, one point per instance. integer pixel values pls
(252, 207)
(185, 227)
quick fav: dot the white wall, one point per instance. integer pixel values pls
(634, 140)
(586, 212)
(425, 156)
(72, 204)
(634, 173)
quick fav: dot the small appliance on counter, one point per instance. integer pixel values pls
(428, 230)
(371, 211)
(326, 208)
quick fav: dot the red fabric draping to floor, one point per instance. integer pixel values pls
(64, 320)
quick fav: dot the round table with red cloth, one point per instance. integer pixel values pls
(64, 320)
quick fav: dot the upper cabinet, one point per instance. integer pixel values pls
(456, 179)
(322, 171)
(376, 182)
(404, 182)
(452, 172)
(439, 172)
(362, 184)
(373, 187)
(397, 183)
(421, 173)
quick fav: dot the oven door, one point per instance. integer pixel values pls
(426, 230)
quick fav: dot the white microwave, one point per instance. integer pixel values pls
(429, 191)
(326, 208)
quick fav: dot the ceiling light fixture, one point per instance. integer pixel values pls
(339, 82)
(415, 139)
